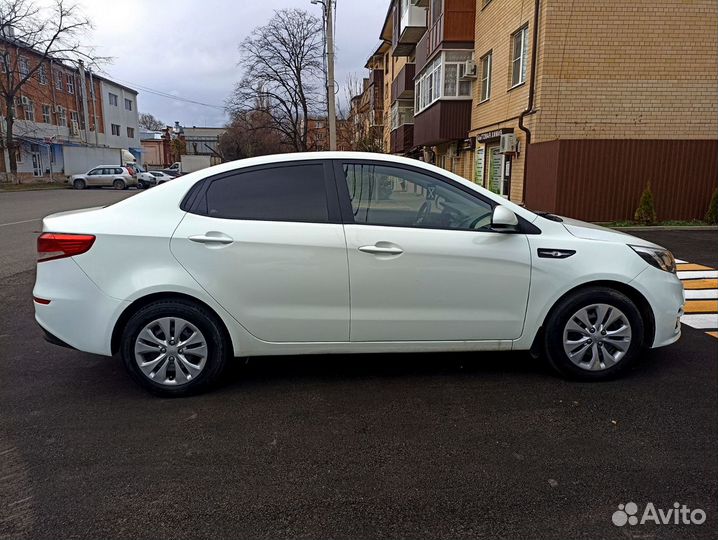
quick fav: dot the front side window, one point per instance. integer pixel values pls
(397, 197)
(292, 193)
(486, 77)
(519, 56)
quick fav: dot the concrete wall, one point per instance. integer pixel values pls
(119, 115)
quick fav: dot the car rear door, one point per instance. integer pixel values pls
(267, 244)
(424, 264)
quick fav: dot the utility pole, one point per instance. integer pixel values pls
(83, 95)
(328, 12)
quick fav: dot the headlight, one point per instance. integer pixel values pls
(658, 257)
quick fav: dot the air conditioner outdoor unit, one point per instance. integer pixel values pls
(507, 144)
(469, 70)
(74, 128)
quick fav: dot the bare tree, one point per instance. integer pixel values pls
(151, 122)
(250, 134)
(283, 73)
(55, 32)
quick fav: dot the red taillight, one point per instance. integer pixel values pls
(52, 246)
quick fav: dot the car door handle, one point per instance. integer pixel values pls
(211, 238)
(381, 250)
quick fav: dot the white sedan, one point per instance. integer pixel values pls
(344, 253)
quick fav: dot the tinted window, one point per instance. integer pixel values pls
(393, 196)
(118, 171)
(95, 172)
(293, 193)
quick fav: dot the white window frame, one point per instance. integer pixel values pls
(523, 50)
(42, 74)
(128, 104)
(113, 99)
(430, 84)
(23, 66)
(62, 116)
(485, 80)
(28, 111)
(59, 81)
(70, 83)
(402, 112)
(46, 114)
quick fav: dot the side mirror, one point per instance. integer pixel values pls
(504, 220)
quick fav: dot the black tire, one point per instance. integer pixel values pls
(218, 345)
(566, 308)
(79, 184)
(119, 184)
(140, 185)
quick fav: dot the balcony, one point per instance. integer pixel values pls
(401, 139)
(409, 26)
(445, 120)
(454, 25)
(402, 87)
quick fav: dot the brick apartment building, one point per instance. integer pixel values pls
(575, 118)
(51, 114)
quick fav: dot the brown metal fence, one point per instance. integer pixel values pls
(602, 180)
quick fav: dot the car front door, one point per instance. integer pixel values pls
(268, 245)
(424, 263)
(94, 177)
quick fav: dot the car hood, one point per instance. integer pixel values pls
(591, 231)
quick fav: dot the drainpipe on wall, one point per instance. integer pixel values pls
(532, 87)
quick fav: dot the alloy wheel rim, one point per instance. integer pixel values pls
(171, 351)
(597, 337)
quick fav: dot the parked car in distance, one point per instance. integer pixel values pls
(255, 258)
(116, 176)
(152, 178)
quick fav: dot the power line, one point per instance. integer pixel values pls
(167, 95)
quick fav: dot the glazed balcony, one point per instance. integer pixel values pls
(409, 26)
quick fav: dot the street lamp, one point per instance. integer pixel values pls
(327, 13)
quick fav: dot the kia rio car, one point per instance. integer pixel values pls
(343, 253)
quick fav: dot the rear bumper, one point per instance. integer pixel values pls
(79, 315)
(664, 292)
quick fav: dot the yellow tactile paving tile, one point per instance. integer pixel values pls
(700, 284)
(691, 266)
(701, 306)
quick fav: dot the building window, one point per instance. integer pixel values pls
(23, 66)
(115, 129)
(46, 116)
(442, 79)
(519, 56)
(128, 104)
(113, 99)
(486, 77)
(402, 112)
(75, 117)
(131, 132)
(58, 81)
(42, 74)
(70, 83)
(28, 108)
(61, 116)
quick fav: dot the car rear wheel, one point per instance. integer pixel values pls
(119, 184)
(174, 348)
(79, 184)
(593, 335)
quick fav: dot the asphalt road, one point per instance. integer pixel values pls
(384, 446)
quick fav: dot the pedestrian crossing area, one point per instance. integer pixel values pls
(700, 284)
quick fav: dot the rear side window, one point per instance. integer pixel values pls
(118, 171)
(291, 193)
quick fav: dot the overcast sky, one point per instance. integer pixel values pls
(190, 48)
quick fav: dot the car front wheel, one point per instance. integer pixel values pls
(78, 184)
(174, 348)
(594, 335)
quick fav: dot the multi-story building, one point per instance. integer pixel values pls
(121, 119)
(603, 99)
(59, 106)
(571, 107)
(366, 121)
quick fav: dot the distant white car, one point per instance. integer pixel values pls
(343, 252)
(152, 178)
(119, 177)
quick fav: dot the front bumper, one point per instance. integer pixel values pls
(664, 292)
